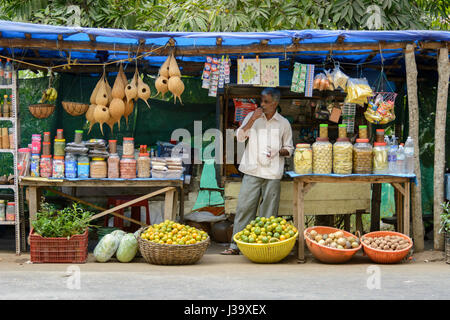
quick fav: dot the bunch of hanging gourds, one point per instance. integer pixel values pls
(108, 105)
(169, 79)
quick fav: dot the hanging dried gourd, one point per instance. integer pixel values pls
(118, 90)
(108, 91)
(143, 91)
(123, 76)
(101, 115)
(111, 123)
(161, 85)
(131, 88)
(174, 71)
(176, 86)
(94, 92)
(129, 105)
(117, 110)
(90, 116)
(101, 97)
(164, 70)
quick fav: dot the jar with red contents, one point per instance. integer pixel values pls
(45, 166)
(128, 167)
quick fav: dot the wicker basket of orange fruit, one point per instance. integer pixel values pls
(172, 243)
(266, 240)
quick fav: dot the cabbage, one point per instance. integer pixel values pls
(118, 234)
(127, 249)
(106, 248)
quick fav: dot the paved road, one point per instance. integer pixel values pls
(219, 277)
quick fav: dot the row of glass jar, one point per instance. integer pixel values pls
(7, 211)
(341, 158)
(72, 166)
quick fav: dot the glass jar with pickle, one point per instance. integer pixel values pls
(362, 156)
(303, 158)
(342, 156)
(322, 156)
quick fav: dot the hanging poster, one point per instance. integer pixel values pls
(270, 72)
(249, 71)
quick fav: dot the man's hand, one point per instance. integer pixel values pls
(256, 114)
(284, 153)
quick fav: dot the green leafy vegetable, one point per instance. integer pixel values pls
(53, 223)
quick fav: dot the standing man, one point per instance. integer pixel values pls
(269, 137)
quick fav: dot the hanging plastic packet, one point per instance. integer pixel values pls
(330, 80)
(221, 73)
(206, 75)
(339, 78)
(227, 64)
(358, 91)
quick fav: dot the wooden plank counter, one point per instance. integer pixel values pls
(170, 187)
(303, 183)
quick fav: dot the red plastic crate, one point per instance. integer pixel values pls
(59, 250)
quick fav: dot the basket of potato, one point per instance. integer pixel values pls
(331, 245)
(386, 246)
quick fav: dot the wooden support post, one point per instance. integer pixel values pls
(301, 221)
(168, 206)
(347, 222)
(34, 201)
(439, 144)
(406, 209)
(413, 106)
(375, 207)
(129, 203)
(358, 221)
(73, 198)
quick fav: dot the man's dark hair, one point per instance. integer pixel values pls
(274, 93)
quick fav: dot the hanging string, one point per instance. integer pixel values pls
(82, 64)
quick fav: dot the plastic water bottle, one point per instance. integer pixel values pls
(8, 72)
(400, 160)
(392, 156)
(2, 73)
(409, 155)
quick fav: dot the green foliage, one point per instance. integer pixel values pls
(53, 223)
(445, 217)
(232, 15)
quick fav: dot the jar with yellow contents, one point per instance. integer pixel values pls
(303, 158)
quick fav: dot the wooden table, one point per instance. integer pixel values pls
(169, 187)
(303, 183)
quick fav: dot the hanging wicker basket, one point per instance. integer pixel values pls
(41, 110)
(75, 108)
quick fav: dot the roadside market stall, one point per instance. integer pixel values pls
(218, 58)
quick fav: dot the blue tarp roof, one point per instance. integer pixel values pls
(13, 30)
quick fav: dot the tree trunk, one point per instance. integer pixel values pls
(439, 144)
(413, 106)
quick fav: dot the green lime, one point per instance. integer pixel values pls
(252, 222)
(248, 227)
(261, 224)
(251, 239)
(258, 219)
(270, 234)
(291, 233)
(279, 229)
(265, 239)
(257, 231)
(276, 235)
(247, 232)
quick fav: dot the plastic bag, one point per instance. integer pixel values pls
(358, 91)
(127, 248)
(339, 78)
(106, 248)
(329, 76)
(381, 109)
(321, 82)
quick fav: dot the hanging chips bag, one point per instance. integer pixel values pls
(358, 91)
